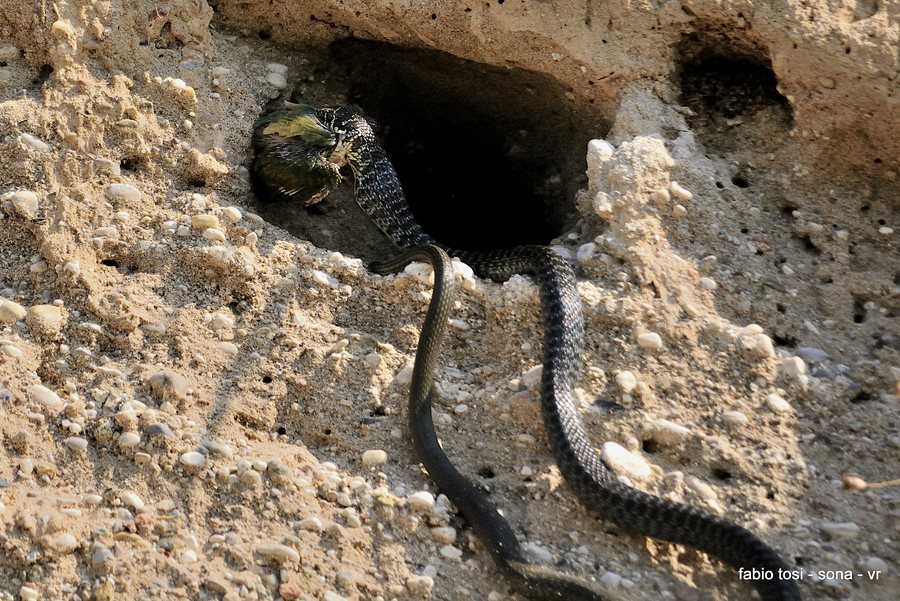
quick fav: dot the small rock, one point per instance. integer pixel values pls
(128, 440)
(624, 462)
(124, 192)
(841, 530)
(10, 311)
(277, 552)
(450, 552)
(708, 283)
(220, 321)
(310, 524)
(679, 192)
(374, 457)
(132, 500)
(735, 418)
(420, 586)
(531, 379)
(204, 221)
(444, 534)
(611, 580)
(793, 367)
(168, 385)
(26, 593)
(421, 501)
(874, 564)
(290, 591)
(276, 80)
(46, 397)
(668, 433)
(160, 429)
(192, 459)
(62, 543)
(650, 341)
(777, 403)
(76, 443)
(44, 320)
(214, 234)
(537, 552)
(25, 203)
(35, 143)
(811, 354)
(232, 214)
(626, 381)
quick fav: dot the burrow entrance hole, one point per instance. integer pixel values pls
(489, 157)
(726, 78)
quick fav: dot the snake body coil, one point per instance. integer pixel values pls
(379, 193)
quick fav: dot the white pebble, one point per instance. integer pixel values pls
(76, 443)
(228, 348)
(73, 267)
(188, 556)
(11, 351)
(277, 68)
(276, 80)
(214, 234)
(63, 543)
(624, 462)
(708, 283)
(192, 459)
(278, 552)
(323, 279)
(679, 211)
(666, 432)
(531, 379)
(598, 153)
(204, 221)
(841, 530)
(125, 192)
(46, 397)
(11, 311)
(735, 418)
(450, 552)
(420, 586)
(660, 197)
(777, 403)
(793, 367)
(679, 192)
(132, 500)
(873, 564)
(232, 214)
(28, 593)
(374, 457)
(220, 321)
(586, 251)
(311, 524)
(421, 501)
(25, 202)
(650, 341)
(611, 580)
(35, 143)
(444, 534)
(128, 440)
(537, 552)
(602, 205)
(626, 381)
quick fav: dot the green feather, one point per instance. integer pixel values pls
(292, 156)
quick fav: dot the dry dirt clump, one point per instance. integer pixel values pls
(197, 403)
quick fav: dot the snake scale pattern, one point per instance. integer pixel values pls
(299, 153)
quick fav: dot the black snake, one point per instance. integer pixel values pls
(299, 152)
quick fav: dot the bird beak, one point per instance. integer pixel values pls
(339, 154)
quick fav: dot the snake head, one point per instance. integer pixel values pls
(295, 155)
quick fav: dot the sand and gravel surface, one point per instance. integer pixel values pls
(203, 397)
